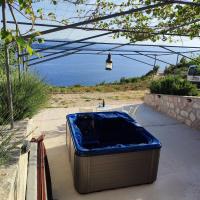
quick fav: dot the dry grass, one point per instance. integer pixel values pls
(139, 84)
(94, 98)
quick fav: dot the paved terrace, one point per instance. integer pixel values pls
(179, 168)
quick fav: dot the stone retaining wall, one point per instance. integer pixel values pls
(13, 175)
(184, 109)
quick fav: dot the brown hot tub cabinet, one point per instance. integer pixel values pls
(110, 150)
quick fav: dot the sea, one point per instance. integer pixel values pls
(87, 69)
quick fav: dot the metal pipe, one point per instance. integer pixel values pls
(7, 69)
(53, 58)
(117, 30)
(153, 58)
(137, 60)
(54, 53)
(179, 54)
(72, 42)
(133, 10)
(130, 44)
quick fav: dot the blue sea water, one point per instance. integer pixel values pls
(90, 69)
(87, 70)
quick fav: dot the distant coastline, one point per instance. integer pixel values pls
(88, 70)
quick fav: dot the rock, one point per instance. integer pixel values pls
(184, 113)
(198, 114)
(188, 122)
(177, 110)
(196, 105)
(192, 117)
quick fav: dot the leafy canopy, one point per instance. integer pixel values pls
(151, 24)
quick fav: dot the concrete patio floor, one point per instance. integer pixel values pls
(179, 167)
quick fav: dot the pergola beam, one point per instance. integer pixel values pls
(77, 52)
(153, 58)
(64, 55)
(115, 50)
(95, 20)
(131, 44)
(111, 49)
(71, 42)
(137, 60)
(124, 50)
(182, 2)
(116, 54)
(178, 53)
(90, 21)
(49, 59)
(98, 52)
(163, 32)
(64, 51)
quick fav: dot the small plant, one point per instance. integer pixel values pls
(173, 86)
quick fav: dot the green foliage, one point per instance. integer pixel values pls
(175, 18)
(167, 17)
(181, 68)
(29, 95)
(152, 72)
(178, 70)
(148, 75)
(134, 83)
(197, 71)
(124, 80)
(173, 86)
(12, 60)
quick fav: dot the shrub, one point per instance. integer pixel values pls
(152, 72)
(124, 80)
(29, 95)
(77, 85)
(173, 86)
(102, 83)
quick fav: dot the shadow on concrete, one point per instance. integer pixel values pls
(63, 187)
(59, 131)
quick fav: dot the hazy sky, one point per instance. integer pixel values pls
(63, 10)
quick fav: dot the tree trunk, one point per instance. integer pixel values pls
(18, 63)
(7, 67)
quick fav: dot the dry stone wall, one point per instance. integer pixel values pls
(185, 109)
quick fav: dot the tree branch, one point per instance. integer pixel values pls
(20, 12)
(13, 16)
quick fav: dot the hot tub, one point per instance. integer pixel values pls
(110, 150)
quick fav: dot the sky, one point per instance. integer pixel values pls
(63, 10)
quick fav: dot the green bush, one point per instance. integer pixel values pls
(29, 95)
(173, 86)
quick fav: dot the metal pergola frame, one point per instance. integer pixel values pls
(62, 50)
(163, 32)
(85, 41)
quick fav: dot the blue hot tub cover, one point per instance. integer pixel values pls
(100, 133)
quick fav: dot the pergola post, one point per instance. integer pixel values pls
(18, 63)
(7, 69)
